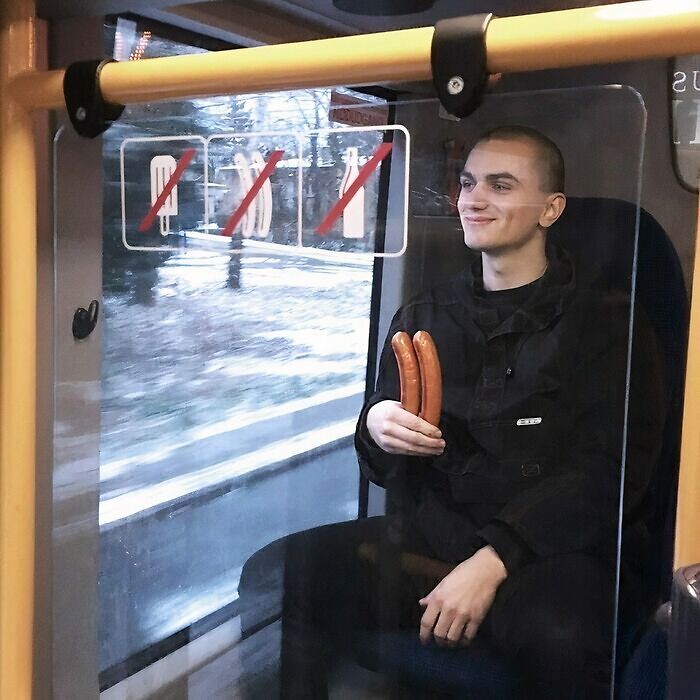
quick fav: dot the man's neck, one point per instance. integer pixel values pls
(513, 269)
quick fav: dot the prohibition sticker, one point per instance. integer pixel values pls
(326, 189)
(162, 178)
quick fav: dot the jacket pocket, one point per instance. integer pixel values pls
(489, 480)
(515, 438)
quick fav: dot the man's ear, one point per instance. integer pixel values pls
(556, 203)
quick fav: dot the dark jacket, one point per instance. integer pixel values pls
(530, 488)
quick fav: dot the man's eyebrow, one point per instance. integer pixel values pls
(491, 177)
(502, 176)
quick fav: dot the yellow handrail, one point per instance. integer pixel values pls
(625, 32)
(17, 357)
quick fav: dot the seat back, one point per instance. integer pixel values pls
(599, 234)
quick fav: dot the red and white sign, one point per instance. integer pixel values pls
(353, 111)
(317, 189)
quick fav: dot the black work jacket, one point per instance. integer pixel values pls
(533, 418)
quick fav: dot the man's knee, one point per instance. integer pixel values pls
(557, 646)
(559, 633)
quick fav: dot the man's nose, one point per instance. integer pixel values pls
(472, 199)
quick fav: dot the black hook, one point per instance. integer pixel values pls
(85, 320)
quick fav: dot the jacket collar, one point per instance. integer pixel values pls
(548, 300)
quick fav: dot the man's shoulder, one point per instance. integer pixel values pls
(598, 317)
(601, 303)
(452, 291)
(439, 307)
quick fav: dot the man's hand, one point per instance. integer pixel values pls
(399, 432)
(455, 608)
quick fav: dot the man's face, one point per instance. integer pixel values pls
(501, 203)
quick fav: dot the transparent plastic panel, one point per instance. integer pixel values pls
(246, 367)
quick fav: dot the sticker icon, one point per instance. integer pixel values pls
(253, 188)
(354, 212)
(247, 221)
(263, 200)
(162, 169)
(353, 186)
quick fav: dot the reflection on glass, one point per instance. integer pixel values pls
(232, 373)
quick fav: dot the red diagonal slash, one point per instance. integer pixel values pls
(182, 164)
(367, 169)
(237, 215)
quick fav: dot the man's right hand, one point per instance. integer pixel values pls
(399, 432)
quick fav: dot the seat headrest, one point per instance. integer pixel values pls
(599, 234)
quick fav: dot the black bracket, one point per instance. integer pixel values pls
(87, 109)
(458, 58)
(85, 320)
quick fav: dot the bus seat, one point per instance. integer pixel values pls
(603, 229)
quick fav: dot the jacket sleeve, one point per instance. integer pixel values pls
(577, 507)
(376, 464)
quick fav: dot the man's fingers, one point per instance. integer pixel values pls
(416, 423)
(427, 622)
(457, 629)
(394, 446)
(442, 628)
(397, 431)
(398, 437)
(470, 630)
(397, 444)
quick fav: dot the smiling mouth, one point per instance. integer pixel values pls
(477, 220)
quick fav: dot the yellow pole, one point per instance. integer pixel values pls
(17, 354)
(687, 544)
(624, 32)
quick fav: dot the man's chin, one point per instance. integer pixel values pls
(479, 246)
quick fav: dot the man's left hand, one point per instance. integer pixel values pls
(455, 608)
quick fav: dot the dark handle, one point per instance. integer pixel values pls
(85, 320)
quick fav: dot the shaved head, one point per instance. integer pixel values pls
(549, 162)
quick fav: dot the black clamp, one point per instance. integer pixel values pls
(458, 58)
(85, 320)
(87, 109)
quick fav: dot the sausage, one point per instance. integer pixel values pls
(409, 373)
(430, 377)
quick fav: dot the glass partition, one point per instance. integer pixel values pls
(253, 278)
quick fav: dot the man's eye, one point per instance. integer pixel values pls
(501, 187)
(466, 184)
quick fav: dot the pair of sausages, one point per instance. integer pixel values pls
(420, 375)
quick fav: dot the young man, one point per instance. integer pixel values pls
(518, 489)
